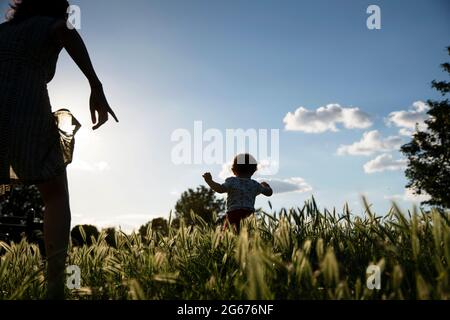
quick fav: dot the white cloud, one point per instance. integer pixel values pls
(226, 171)
(82, 165)
(407, 120)
(384, 162)
(371, 143)
(326, 119)
(268, 167)
(410, 196)
(406, 132)
(294, 184)
(126, 222)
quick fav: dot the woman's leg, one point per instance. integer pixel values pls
(55, 194)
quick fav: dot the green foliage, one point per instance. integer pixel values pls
(301, 253)
(203, 201)
(429, 152)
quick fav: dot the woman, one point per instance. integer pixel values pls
(30, 146)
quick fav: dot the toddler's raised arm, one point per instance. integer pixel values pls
(217, 187)
(266, 189)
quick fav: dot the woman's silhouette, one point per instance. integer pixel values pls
(31, 151)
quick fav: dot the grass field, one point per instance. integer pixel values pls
(300, 253)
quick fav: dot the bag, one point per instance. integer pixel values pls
(67, 126)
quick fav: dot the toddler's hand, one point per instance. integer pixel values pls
(267, 191)
(207, 176)
(266, 185)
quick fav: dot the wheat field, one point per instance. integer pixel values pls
(301, 253)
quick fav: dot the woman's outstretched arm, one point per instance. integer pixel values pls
(73, 43)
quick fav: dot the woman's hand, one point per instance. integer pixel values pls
(100, 108)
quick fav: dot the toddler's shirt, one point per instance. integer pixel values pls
(242, 193)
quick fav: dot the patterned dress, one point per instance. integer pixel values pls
(35, 144)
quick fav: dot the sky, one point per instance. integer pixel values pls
(343, 97)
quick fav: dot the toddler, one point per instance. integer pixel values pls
(241, 189)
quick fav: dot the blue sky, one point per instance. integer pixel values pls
(245, 64)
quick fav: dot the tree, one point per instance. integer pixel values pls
(160, 225)
(202, 201)
(22, 214)
(20, 200)
(429, 151)
(82, 235)
(110, 236)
